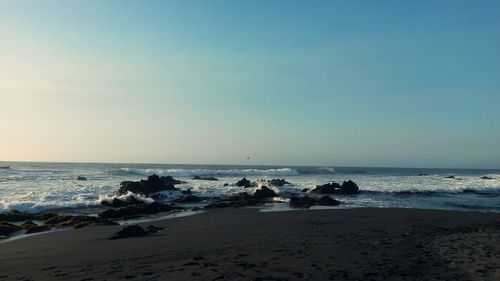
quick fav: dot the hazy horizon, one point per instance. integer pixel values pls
(323, 83)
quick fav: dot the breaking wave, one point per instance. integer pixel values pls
(208, 172)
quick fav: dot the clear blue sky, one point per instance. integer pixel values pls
(355, 83)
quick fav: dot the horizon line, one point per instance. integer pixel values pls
(251, 165)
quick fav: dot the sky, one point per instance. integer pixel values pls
(342, 83)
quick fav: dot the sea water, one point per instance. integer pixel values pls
(37, 187)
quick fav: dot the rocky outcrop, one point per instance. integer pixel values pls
(16, 216)
(7, 229)
(32, 227)
(347, 188)
(205, 178)
(238, 200)
(133, 211)
(80, 178)
(486, 178)
(307, 202)
(278, 182)
(28, 224)
(264, 192)
(187, 199)
(450, 177)
(122, 202)
(153, 184)
(327, 201)
(329, 188)
(305, 190)
(243, 199)
(76, 221)
(245, 183)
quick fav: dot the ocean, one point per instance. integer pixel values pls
(34, 187)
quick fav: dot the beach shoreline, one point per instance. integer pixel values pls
(245, 244)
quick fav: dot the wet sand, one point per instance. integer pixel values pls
(244, 244)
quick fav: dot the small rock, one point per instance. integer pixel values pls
(264, 192)
(154, 229)
(278, 182)
(245, 183)
(130, 231)
(187, 199)
(187, 192)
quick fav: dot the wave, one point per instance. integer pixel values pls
(436, 192)
(209, 172)
(5, 168)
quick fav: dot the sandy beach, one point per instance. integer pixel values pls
(245, 244)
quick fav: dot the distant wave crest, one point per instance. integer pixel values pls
(209, 172)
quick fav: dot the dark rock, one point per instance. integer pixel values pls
(278, 182)
(329, 188)
(221, 204)
(187, 192)
(328, 201)
(36, 229)
(205, 178)
(245, 183)
(4, 168)
(226, 184)
(81, 178)
(264, 192)
(118, 203)
(7, 229)
(449, 177)
(136, 211)
(154, 229)
(305, 190)
(349, 187)
(15, 216)
(301, 202)
(153, 184)
(187, 199)
(76, 221)
(130, 231)
(28, 224)
(306, 202)
(486, 178)
(45, 216)
(241, 199)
